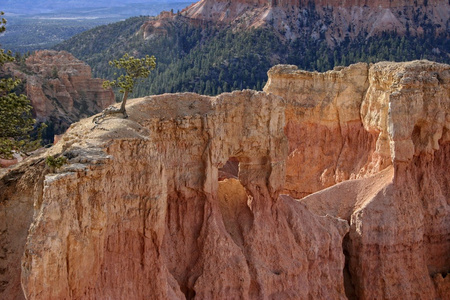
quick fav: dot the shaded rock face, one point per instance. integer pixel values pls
(61, 88)
(139, 211)
(324, 126)
(398, 245)
(334, 21)
(20, 189)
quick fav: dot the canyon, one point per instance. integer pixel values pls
(334, 21)
(60, 87)
(329, 185)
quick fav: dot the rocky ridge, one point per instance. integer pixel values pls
(139, 211)
(335, 21)
(61, 88)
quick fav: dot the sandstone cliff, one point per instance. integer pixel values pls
(139, 211)
(334, 21)
(358, 121)
(324, 126)
(61, 88)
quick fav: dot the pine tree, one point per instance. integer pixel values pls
(135, 70)
(15, 110)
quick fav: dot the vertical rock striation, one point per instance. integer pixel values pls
(139, 213)
(400, 238)
(19, 190)
(398, 245)
(330, 20)
(327, 140)
(61, 88)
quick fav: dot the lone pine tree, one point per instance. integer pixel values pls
(135, 69)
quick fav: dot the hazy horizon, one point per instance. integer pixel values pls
(34, 25)
(28, 7)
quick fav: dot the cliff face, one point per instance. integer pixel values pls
(324, 126)
(20, 189)
(334, 21)
(415, 207)
(61, 87)
(139, 212)
(397, 128)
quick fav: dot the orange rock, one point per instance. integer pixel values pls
(399, 219)
(333, 20)
(61, 88)
(145, 216)
(4, 163)
(139, 211)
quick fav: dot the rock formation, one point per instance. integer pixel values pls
(394, 124)
(334, 21)
(323, 125)
(139, 211)
(20, 190)
(61, 88)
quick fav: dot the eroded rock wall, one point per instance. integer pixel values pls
(398, 244)
(139, 213)
(331, 20)
(403, 233)
(20, 190)
(61, 88)
(327, 139)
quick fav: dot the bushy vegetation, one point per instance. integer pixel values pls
(55, 162)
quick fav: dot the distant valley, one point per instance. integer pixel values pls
(40, 25)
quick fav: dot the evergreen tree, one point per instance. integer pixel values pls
(135, 69)
(15, 111)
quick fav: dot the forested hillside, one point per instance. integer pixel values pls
(209, 60)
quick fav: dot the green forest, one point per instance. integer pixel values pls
(209, 60)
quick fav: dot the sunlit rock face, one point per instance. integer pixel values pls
(325, 186)
(327, 139)
(140, 212)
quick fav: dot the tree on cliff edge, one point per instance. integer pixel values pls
(135, 69)
(15, 110)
